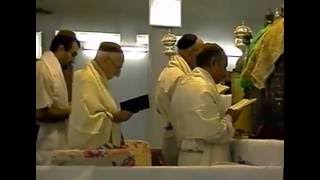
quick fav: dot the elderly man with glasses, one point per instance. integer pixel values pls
(95, 118)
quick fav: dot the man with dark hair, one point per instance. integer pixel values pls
(52, 107)
(203, 127)
(68, 69)
(178, 66)
(95, 118)
(69, 33)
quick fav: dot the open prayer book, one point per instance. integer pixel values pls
(242, 104)
(222, 88)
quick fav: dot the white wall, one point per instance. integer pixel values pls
(213, 20)
(133, 82)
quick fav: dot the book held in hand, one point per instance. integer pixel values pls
(222, 88)
(242, 104)
(136, 104)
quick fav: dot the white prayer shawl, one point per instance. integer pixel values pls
(93, 106)
(176, 68)
(178, 61)
(51, 91)
(201, 123)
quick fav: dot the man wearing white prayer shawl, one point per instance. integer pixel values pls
(204, 129)
(178, 66)
(95, 118)
(52, 107)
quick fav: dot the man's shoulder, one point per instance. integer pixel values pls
(195, 78)
(81, 74)
(193, 83)
(42, 69)
(171, 72)
(188, 87)
(84, 76)
(39, 64)
(84, 71)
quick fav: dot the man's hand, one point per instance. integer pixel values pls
(122, 116)
(234, 114)
(52, 115)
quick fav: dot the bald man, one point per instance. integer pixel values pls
(95, 118)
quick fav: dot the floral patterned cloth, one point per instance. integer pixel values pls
(99, 157)
(135, 153)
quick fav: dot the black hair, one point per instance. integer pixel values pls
(71, 34)
(208, 51)
(64, 40)
(186, 41)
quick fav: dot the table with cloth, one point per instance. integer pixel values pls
(219, 172)
(137, 153)
(263, 160)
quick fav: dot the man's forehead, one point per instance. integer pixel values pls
(199, 41)
(198, 44)
(116, 57)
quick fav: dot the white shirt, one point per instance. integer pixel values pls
(51, 91)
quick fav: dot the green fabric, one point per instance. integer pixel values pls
(255, 41)
(245, 81)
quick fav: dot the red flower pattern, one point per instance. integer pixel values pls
(94, 153)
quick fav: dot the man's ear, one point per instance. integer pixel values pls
(60, 48)
(213, 62)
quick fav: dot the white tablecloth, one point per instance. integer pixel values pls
(221, 172)
(259, 152)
